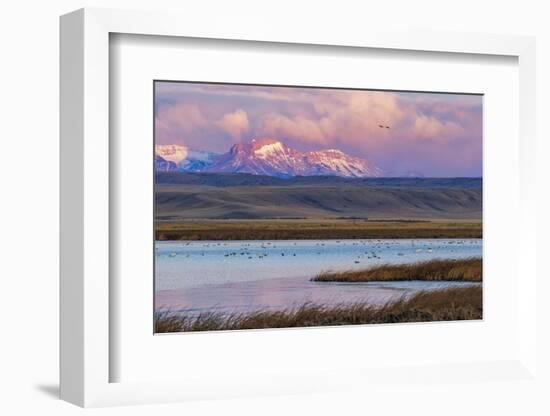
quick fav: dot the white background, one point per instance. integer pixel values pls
(29, 224)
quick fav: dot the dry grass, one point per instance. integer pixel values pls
(461, 270)
(441, 305)
(307, 229)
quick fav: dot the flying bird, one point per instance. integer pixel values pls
(387, 127)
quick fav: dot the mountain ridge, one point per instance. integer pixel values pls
(267, 157)
(246, 179)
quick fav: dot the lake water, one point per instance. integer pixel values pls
(242, 276)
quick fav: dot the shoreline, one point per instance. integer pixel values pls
(442, 270)
(451, 304)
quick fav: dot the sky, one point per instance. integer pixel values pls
(433, 134)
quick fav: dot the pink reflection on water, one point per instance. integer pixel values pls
(271, 294)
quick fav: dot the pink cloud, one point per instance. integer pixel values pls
(297, 128)
(434, 129)
(173, 122)
(234, 124)
(425, 129)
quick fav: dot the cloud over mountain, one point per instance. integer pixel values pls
(438, 134)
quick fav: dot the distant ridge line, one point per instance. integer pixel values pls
(247, 179)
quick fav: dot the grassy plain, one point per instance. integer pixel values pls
(441, 305)
(300, 229)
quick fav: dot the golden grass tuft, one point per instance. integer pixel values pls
(459, 270)
(440, 305)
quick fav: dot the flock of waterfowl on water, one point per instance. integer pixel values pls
(251, 251)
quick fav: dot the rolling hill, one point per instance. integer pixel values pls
(346, 200)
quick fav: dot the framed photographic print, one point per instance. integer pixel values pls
(269, 212)
(284, 206)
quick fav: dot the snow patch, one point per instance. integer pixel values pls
(268, 150)
(172, 152)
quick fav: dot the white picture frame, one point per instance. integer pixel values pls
(86, 355)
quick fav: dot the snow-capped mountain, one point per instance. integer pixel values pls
(183, 158)
(336, 162)
(163, 165)
(273, 158)
(260, 157)
(270, 157)
(171, 152)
